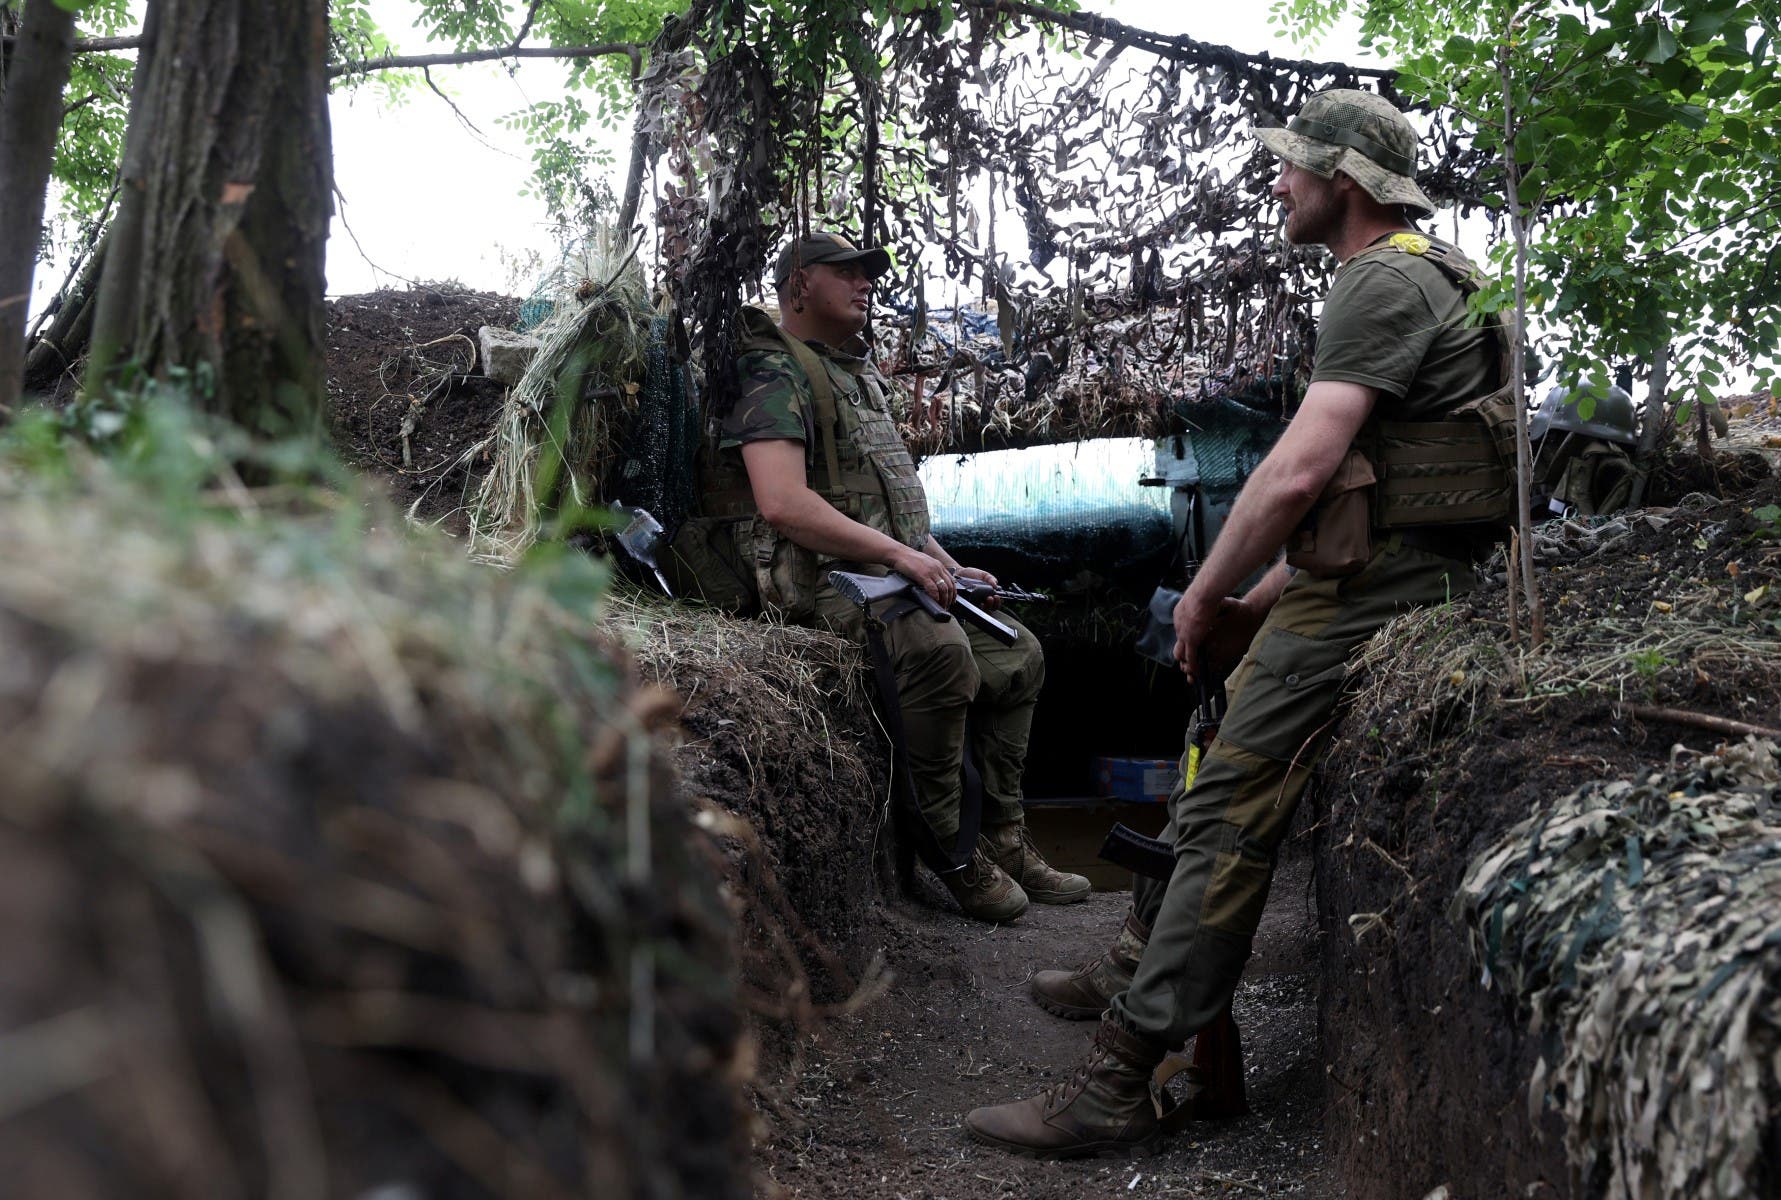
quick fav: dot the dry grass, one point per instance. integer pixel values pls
(330, 847)
(554, 443)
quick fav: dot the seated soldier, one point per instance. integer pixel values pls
(810, 474)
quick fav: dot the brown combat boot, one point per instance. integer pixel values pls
(1083, 993)
(1011, 848)
(984, 891)
(1104, 1108)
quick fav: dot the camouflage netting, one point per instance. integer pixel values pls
(334, 865)
(1640, 924)
(1140, 254)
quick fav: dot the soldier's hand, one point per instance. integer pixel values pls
(927, 573)
(989, 603)
(1233, 629)
(1193, 624)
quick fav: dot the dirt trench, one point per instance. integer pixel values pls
(1429, 1068)
(876, 1111)
(1377, 1065)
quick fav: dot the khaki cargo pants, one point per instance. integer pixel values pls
(1228, 826)
(946, 670)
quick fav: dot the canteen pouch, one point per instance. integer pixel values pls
(785, 573)
(1336, 537)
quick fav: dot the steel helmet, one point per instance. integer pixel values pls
(1613, 419)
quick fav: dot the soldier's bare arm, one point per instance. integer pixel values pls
(1271, 505)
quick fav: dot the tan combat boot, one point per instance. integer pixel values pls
(1011, 848)
(1104, 1108)
(984, 891)
(1083, 993)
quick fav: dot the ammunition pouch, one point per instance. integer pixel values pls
(703, 563)
(785, 573)
(1336, 537)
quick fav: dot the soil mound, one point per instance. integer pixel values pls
(406, 394)
(331, 864)
(1659, 622)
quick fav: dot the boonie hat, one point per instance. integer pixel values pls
(825, 247)
(1360, 134)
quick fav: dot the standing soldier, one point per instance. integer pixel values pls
(1403, 387)
(810, 474)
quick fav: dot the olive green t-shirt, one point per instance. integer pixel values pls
(1394, 321)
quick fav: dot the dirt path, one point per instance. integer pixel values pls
(876, 1113)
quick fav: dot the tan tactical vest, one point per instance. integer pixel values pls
(1404, 474)
(732, 557)
(1456, 471)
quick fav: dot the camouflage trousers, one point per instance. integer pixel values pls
(946, 671)
(1228, 826)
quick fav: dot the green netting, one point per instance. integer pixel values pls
(1228, 441)
(1030, 493)
(1046, 514)
(656, 469)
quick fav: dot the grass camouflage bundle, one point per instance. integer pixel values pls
(553, 448)
(1640, 924)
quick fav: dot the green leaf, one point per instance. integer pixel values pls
(1460, 51)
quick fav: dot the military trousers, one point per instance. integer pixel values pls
(947, 671)
(1227, 827)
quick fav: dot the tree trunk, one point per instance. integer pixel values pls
(1656, 401)
(59, 346)
(29, 117)
(216, 257)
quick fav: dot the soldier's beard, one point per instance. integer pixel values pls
(1314, 218)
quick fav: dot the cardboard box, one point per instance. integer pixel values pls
(1137, 780)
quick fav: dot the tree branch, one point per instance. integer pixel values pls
(466, 122)
(1175, 47)
(92, 45)
(396, 62)
(1707, 721)
(526, 27)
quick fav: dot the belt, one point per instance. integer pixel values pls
(1461, 543)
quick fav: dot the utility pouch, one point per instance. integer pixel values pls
(1336, 537)
(702, 562)
(785, 573)
(1157, 639)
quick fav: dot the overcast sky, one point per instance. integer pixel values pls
(429, 198)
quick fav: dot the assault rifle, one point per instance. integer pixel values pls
(977, 591)
(864, 589)
(1126, 847)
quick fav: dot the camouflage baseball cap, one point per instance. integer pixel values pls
(1360, 134)
(825, 247)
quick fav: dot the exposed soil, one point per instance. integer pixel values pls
(877, 1111)
(1426, 1071)
(396, 353)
